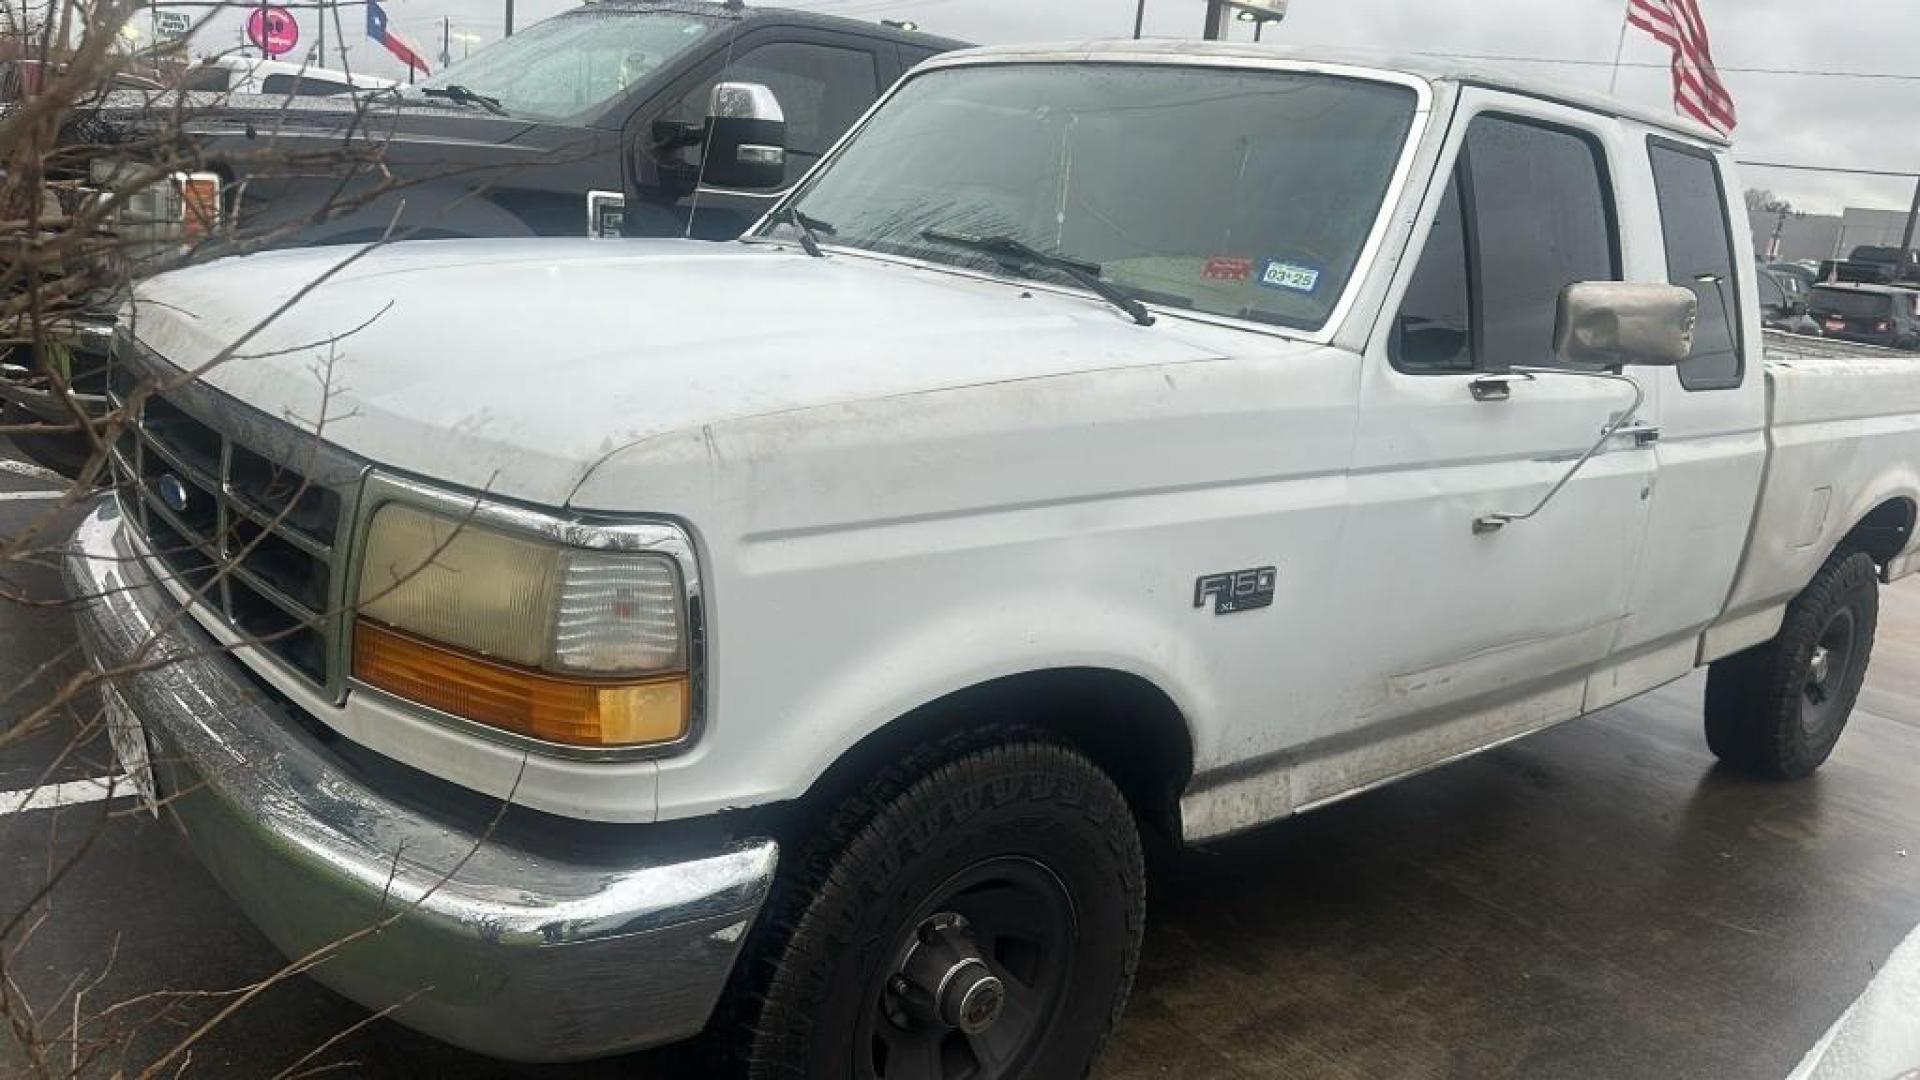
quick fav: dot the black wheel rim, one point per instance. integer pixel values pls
(973, 980)
(1829, 667)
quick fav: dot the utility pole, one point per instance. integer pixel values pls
(509, 18)
(1139, 19)
(446, 41)
(1913, 218)
(322, 18)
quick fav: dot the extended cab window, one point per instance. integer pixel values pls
(1700, 257)
(1526, 214)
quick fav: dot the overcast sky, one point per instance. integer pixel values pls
(1830, 121)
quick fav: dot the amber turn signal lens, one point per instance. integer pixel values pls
(525, 702)
(199, 202)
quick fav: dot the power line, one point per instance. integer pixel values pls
(1884, 76)
(1829, 169)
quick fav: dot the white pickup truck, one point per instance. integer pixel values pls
(794, 639)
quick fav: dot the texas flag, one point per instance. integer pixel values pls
(396, 44)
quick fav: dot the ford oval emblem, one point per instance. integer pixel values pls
(173, 493)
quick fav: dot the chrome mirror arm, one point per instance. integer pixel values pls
(1490, 523)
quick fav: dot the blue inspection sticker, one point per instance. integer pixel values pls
(1290, 276)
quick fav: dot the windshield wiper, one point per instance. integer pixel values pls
(1016, 253)
(456, 92)
(809, 228)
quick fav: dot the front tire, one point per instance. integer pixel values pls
(974, 913)
(1777, 709)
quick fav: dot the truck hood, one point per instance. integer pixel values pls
(514, 366)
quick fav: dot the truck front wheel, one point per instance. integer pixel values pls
(974, 913)
(1777, 709)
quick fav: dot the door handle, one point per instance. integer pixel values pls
(1644, 434)
(1496, 386)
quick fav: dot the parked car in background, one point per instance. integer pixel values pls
(279, 78)
(1870, 314)
(1297, 422)
(1783, 303)
(1807, 275)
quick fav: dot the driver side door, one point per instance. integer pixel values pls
(1481, 634)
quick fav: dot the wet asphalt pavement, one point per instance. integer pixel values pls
(1595, 901)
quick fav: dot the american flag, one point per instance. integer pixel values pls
(1697, 89)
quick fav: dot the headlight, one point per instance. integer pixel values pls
(567, 645)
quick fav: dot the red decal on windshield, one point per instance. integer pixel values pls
(1224, 268)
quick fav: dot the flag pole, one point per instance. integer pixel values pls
(1620, 48)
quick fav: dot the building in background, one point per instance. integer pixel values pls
(1812, 237)
(1803, 237)
(1878, 228)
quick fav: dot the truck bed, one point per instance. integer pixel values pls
(1843, 442)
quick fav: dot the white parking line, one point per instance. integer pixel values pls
(72, 793)
(26, 468)
(29, 496)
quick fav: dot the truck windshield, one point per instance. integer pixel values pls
(573, 63)
(1850, 304)
(1247, 194)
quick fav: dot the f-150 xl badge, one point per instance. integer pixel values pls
(1237, 590)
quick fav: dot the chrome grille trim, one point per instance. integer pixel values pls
(281, 579)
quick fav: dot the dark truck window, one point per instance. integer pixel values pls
(1534, 202)
(1849, 304)
(1431, 336)
(301, 86)
(823, 89)
(1700, 257)
(1542, 220)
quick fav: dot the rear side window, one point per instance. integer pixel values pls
(1527, 213)
(1700, 257)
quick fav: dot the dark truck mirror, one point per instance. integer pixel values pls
(1618, 323)
(746, 137)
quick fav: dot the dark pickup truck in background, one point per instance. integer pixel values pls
(608, 102)
(1870, 265)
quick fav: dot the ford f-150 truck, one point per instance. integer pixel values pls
(1104, 441)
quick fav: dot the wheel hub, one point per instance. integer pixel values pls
(944, 979)
(1829, 667)
(1822, 666)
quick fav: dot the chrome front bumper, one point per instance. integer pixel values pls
(494, 948)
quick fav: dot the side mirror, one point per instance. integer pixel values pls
(1616, 323)
(746, 138)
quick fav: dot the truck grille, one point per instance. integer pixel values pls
(213, 485)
